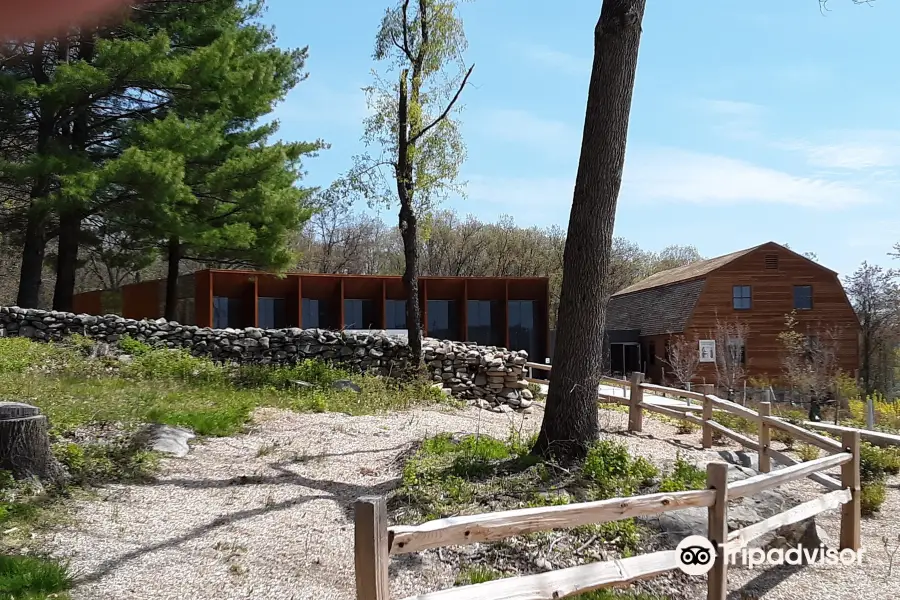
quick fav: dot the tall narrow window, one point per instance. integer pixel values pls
(443, 321)
(272, 313)
(482, 326)
(737, 351)
(803, 297)
(359, 314)
(522, 330)
(395, 314)
(310, 308)
(226, 312)
(741, 297)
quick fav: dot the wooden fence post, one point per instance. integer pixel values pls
(850, 511)
(717, 530)
(707, 416)
(635, 412)
(371, 552)
(765, 438)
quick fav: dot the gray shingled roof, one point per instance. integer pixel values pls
(655, 311)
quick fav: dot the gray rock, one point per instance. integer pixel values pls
(169, 440)
(345, 384)
(676, 525)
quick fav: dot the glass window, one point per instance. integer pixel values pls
(480, 315)
(741, 297)
(226, 312)
(272, 313)
(737, 351)
(395, 314)
(803, 297)
(310, 310)
(522, 331)
(359, 314)
(443, 321)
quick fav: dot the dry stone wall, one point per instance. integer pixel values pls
(488, 376)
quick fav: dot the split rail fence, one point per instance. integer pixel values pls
(376, 541)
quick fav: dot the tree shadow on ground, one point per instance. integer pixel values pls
(343, 493)
(765, 582)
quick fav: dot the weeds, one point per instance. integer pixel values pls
(872, 497)
(684, 476)
(32, 578)
(807, 452)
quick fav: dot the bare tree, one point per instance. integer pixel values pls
(683, 356)
(809, 357)
(730, 336)
(874, 293)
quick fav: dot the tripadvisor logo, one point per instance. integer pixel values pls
(696, 556)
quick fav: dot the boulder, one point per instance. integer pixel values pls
(674, 526)
(168, 439)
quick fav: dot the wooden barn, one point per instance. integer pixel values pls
(757, 287)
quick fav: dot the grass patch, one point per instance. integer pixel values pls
(685, 476)
(73, 387)
(32, 578)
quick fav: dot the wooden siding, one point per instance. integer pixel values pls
(772, 298)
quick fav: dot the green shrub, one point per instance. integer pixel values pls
(535, 390)
(173, 364)
(875, 462)
(612, 471)
(808, 452)
(684, 476)
(784, 437)
(29, 578)
(82, 343)
(129, 345)
(872, 496)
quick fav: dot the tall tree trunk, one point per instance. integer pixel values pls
(33, 249)
(174, 259)
(66, 261)
(570, 421)
(32, 267)
(408, 226)
(70, 217)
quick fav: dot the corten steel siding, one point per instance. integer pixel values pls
(331, 291)
(142, 300)
(90, 303)
(772, 297)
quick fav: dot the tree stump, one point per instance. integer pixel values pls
(25, 444)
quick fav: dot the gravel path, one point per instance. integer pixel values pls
(265, 515)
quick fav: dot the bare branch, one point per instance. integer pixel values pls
(447, 110)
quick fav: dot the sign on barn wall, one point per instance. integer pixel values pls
(707, 351)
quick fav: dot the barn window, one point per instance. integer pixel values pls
(771, 261)
(741, 297)
(803, 297)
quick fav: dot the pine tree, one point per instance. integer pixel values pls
(77, 102)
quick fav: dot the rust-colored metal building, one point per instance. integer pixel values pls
(503, 311)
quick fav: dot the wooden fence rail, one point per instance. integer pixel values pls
(376, 542)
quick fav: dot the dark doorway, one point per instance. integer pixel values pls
(624, 358)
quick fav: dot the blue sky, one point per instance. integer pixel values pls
(752, 121)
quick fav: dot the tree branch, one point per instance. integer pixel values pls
(447, 110)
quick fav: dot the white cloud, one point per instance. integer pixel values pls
(556, 59)
(851, 150)
(523, 127)
(670, 174)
